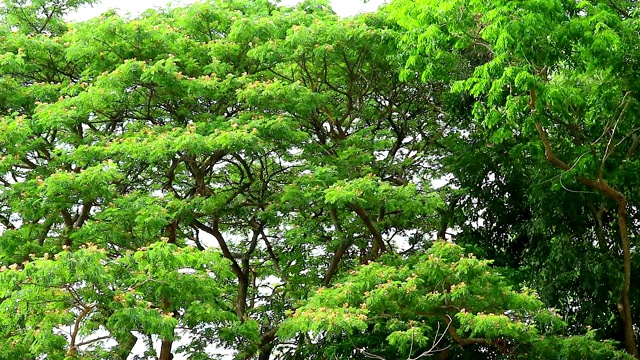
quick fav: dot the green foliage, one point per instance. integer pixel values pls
(38, 16)
(86, 291)
(282, 137)
(209, 171)
(412, 302)
(552, 93)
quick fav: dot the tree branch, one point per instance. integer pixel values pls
(458, 339)
(378, 244)
(73, 347)
(221, 242)
(342, 248)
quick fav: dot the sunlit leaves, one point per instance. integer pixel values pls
(407, 299)
(86, 288)
(285, 138)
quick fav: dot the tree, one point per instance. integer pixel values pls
(553, 81)
(281, 137)
(402, 308)
(39, 16)
(200, 171)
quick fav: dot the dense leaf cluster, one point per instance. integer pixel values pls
(244, 176)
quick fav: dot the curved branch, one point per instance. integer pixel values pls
(458, 339)
(73, 347)
(378, 244)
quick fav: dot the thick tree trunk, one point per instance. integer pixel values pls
(241, 304)
(125, 345)
(265, 352)
(165, 350)
(625, 305)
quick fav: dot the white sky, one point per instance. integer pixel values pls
(134, 7)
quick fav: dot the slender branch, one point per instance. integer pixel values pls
(48, 223)
(73, 347)
(87, 342)
(620, 10)
(548, 152)
(634, 145)
(273, 256)
(241, 275)
(196, 239)
(84, 214)
(603, 187)
(222, 243)
(610, 147)
(437, 339)
(75, 296)
(5, 221)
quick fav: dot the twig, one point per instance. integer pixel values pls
(87, 342)
(437, 339)
(609, 150)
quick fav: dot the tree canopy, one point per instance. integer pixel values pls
(284, 183)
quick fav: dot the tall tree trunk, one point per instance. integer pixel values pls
(167, 344)
(125, 345)
(265, 352)
(625, 304)
(165, 350)
(604, 188)
(241, 304)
